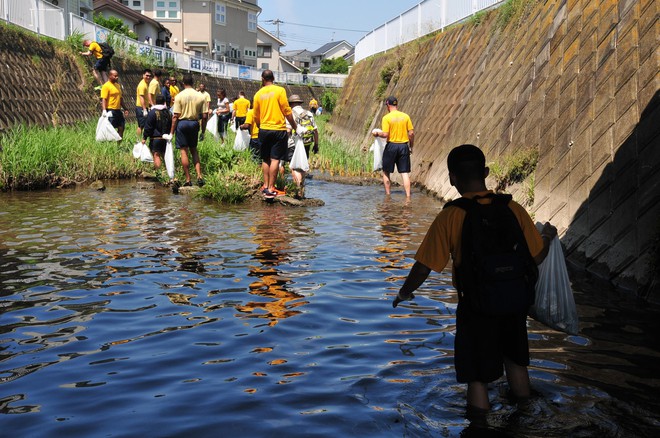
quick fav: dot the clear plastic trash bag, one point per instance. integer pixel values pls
(299, 160)
(105, 131)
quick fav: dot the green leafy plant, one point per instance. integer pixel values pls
(115, 24)
(514, 168)
(329, 99)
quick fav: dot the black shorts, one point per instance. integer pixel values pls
(273, 144)
(102, 64)
(117, 120)
(157, 145)
(141, 118)
(482, 343)
(239, 121)
(186, 133)
(255, 148)
(396, 154)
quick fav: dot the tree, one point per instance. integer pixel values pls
(334, 65)
(115, 24)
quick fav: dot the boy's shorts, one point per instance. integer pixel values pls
(141, 118)
(117, 120)
(273, 144)
(483, 342)
(396, 154)
(158, 145)
(186, 134)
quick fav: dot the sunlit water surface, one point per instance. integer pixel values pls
(136, 312)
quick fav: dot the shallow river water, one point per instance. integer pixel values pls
(137, 312)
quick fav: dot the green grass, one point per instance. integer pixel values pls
(514, 169)
(338, 158)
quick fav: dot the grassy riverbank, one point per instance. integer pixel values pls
(40, 158)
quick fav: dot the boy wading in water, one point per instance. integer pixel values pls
(491, 331)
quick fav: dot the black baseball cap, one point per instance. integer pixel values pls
(392, 100)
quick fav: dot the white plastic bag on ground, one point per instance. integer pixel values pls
(242, 140)
(299, 160)
(169, 159)
(105, 131)
(554, 305)
(212, 125)
(378, 147)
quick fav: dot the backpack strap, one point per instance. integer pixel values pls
(468, 203)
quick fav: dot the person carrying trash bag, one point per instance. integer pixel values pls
(495, 248)
(112, 103)
(308, 133)
(158, 123)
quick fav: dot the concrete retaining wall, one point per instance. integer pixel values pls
(577, 80)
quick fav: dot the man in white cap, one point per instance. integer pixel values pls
(309, 134)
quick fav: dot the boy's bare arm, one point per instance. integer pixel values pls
(418, 274)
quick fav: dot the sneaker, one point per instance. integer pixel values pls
(175, 186)
(279, 192)
(268, 194)
(200, 182)
(187, 184)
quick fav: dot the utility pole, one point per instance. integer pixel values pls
(277, 22)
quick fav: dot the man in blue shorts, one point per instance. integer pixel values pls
(112, 103)
(398, 130)
(189, 107)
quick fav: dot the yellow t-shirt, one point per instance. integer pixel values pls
(313, 103)
(189, 104)
(397, 124)
(142, 90)
(96, 50)
(271, 107)
(112, 93)
(444, 236)
(207, 100)
(154, 88)
(174, 90)
(249, 119)
(241, 106)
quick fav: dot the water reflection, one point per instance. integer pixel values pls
(273, 233)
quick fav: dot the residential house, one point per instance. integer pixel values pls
(331, 50)
(141, 24)
(82, 8)
(300, 58)
(268, 53)
(221, 30)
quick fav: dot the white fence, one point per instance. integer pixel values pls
(45, 19)
(423, 19)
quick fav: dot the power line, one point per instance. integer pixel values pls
(278, 22)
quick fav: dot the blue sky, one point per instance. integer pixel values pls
(308, 24)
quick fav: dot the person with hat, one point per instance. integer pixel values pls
(397, 129)
(309, 134)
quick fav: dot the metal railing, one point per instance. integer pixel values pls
(45, 19)
(425, 18)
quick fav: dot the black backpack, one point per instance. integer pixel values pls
(106, 50)
(163, 121)
(497, 274)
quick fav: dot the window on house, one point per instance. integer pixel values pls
(252, 22)
(265, 66)
(220, 13)
(264, 51)
(250, 52)
(167, 9)
(133, 4)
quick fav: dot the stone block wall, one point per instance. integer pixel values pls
(41, 85)
(578, 81)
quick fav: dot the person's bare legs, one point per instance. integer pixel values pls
(120, 131)
(157, 160)
(477, 395)
(265, 169)
(386, 182)
(406, 183)
(272, 173)
(185, 163)
(197, 163)
(518, 379)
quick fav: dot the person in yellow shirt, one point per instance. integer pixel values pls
(112, 103)
(241, 107)
(155, 88)
(174, 90)
(255, 146)
(271, 110)
(397, 128)
(485, 343)
(313, 106)
(142, 100)
(189, 107)
(101, 65)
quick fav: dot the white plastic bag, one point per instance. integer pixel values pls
(212, 125)
(242, 140)
(169, 159)
(105, 131)
(299, 160)
(554, 305)
(137, 150)
(232, 126)
(141, 151)
(378, 147)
